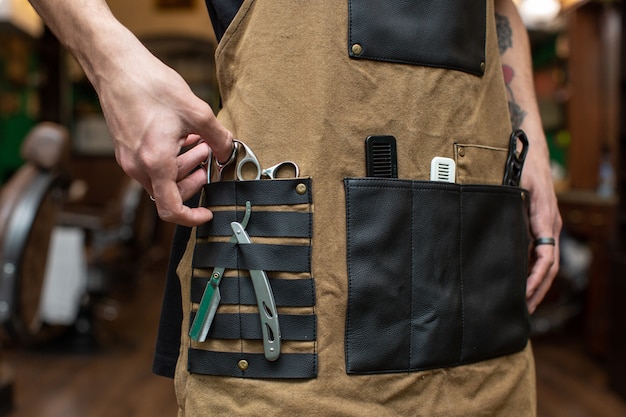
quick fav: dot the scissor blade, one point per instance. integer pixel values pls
(265, 301)
(207, 308)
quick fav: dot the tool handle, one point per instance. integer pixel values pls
(265, 301)
(208, 306)
(267, 313)
(515, 160)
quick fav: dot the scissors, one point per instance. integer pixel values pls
(249, 167)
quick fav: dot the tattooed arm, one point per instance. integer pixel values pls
(545, 220)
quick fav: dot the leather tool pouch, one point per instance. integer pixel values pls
(280, 228)
(437, 274)
(440, 33)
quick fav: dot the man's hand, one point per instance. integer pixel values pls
(150, 110)
(545, 221)
(152, 114)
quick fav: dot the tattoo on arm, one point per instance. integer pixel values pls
(517, 113)
(505, 41)
(505, 33)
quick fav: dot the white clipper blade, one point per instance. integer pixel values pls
(443, 169)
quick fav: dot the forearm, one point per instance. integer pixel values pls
(88, 29)
(545, 221)
(524, 111)
(151, 112)
(517, 68)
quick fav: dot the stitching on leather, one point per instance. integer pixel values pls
(413, 272)
(349, 263)
(461, 278)
(313, 284)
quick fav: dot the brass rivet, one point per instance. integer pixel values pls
(461, 151)
(301, 188)
(357, 49)
(243, 364)
(482, 66)
(523, 196)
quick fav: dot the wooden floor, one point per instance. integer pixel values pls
(116, 380)
(570, 384)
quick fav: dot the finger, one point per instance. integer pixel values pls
(543, 257)
(219, 139)
(170, 207)
(542, 274)
(191, 159)
(192, 184)
(192, 140)
(168, 199)
(222, 146)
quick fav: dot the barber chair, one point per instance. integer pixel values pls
(118, 232)
(118, 225)
(30, 202)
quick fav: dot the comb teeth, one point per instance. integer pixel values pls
(381, 160)
(442, 169)
(381, 157)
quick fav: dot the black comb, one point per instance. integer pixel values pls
(381, 157)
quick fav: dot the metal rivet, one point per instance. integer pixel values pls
(301, 188)
(482, 66)
(523, 196)
(243, 364)
(461, 151)
(357, 49)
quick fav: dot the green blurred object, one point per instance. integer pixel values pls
(12, 132)
(558, 143)
(18, 98)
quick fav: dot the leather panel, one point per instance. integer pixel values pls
(436, 272)
(439, 33)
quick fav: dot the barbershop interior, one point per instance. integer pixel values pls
(84, 255)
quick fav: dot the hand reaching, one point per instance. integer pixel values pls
(152, 114)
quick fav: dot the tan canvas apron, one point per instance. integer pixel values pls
(291, 92)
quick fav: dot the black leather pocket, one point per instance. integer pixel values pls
(437, 274)
(444, 33)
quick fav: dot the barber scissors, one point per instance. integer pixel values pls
(249, 167)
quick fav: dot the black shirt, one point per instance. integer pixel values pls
(222, 13)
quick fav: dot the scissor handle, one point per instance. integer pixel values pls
(287, 166)
(251, 159)
(220, 166)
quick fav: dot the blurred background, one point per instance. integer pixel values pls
(83, 254)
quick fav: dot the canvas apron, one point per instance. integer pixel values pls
(291, 91)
